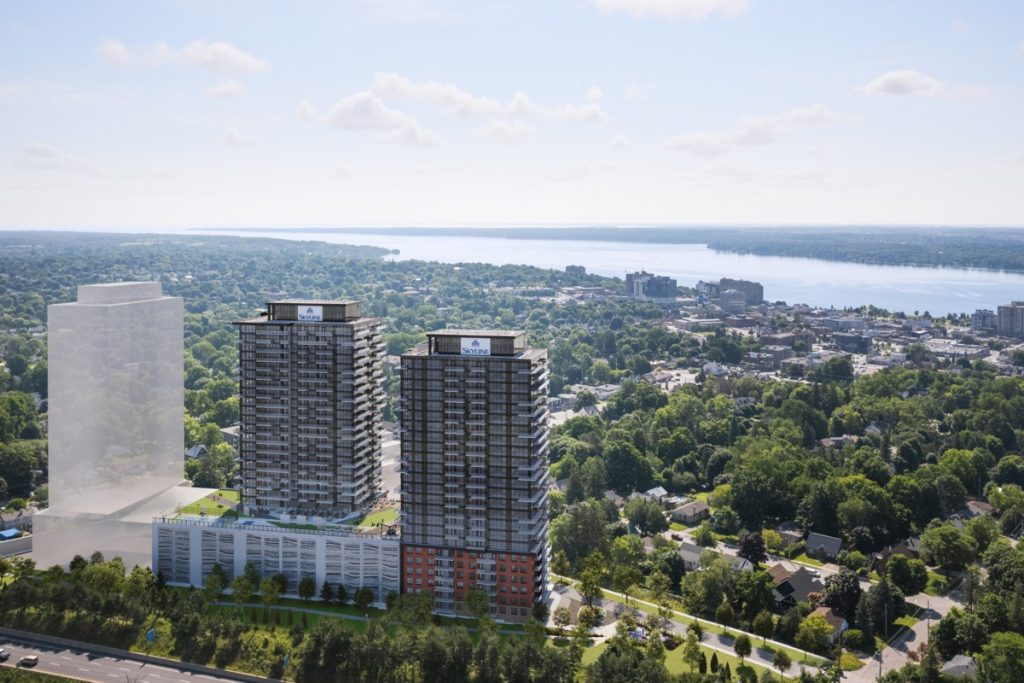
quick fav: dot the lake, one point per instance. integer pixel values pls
(794, 280)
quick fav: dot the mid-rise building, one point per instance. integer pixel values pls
(733, 301)
(1010, 322)
(310, 409)
(644, 285)
(116, 410)
(983, 321)
(575, 270)
(753, 291)
(474, 470)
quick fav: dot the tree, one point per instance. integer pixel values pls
(215, 584)
(704, 535)
(562, 618)
(742, 647)
(341, 595)
(909, 575)
(269, 592)
(1002, 659)
(363, 598)
(943, 545)
(243, 589)
(764, 625)
(714, 662)
(842, 592)
(478, 603)
(307, 587)
(752, 548)
(590, 586)
(646, 515)
(691, 650)
(814, 633)
(326, 593)
(781, 661)
(724, 614)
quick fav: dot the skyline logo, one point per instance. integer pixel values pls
(474, 346)
(311, 314)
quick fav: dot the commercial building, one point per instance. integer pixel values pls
(116, 407)
(1010, 321)
(474, 470)
(310, 409)
(644, 285)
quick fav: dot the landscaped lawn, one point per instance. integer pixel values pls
(849, 662)
(807, 559)
(907, 620)
(937, 584)
(207, 506)
(675, 664)
(591, 654)
(230, 494)
(387, 516)
(676, 526)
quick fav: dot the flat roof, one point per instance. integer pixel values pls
(317, 302)
(475, 333)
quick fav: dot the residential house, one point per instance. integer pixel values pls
(790, 533)
(822, 547)
(691, 513)
(837, 623)
(690, 553)
(791, 587)
(658, 494)
(908, 547)
(962, 667)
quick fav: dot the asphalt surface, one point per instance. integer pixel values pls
(88, 666)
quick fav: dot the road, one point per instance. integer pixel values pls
(89, 666)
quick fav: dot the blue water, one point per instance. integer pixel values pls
(794, 280)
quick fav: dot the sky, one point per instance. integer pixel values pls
(181, 113)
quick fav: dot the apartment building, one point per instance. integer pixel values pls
(474, 470)
(1010, 321)
(310, 384)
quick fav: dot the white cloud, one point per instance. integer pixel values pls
(219, 56)
(364, 110)
(509, 132)
(755, 131)
(115, 52)
(225, 89)
(689, 10)
(579, 171)
(619, 142)
(450, 98)
(235, 137)
(40, 157)
(223, 57)
(595, 94)
(637, 92)
(913, 82)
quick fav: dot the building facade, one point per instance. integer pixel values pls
(1010, 322)
(644, 285)
(733, 301)
(116, 410)
(310, 385)
(474, 470)
(185, 550)
(983, 321)
(753, 291)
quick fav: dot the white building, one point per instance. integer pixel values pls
(186, 548)
(116, 406)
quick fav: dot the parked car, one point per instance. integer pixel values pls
(28, 660)
(4, 655)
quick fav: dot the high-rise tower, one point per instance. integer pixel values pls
(474, 470)
(116, 412)
(310, 380)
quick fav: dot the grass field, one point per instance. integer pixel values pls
(849, 662)
(675, 664)
(207, 506)
(387, 516)
(804, 558)
(937, 584)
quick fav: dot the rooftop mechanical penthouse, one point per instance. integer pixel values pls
(474, 470)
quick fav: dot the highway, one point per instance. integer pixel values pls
(89, 666)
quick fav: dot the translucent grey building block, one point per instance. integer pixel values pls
(116, 402)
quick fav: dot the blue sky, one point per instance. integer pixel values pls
(413, 112)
